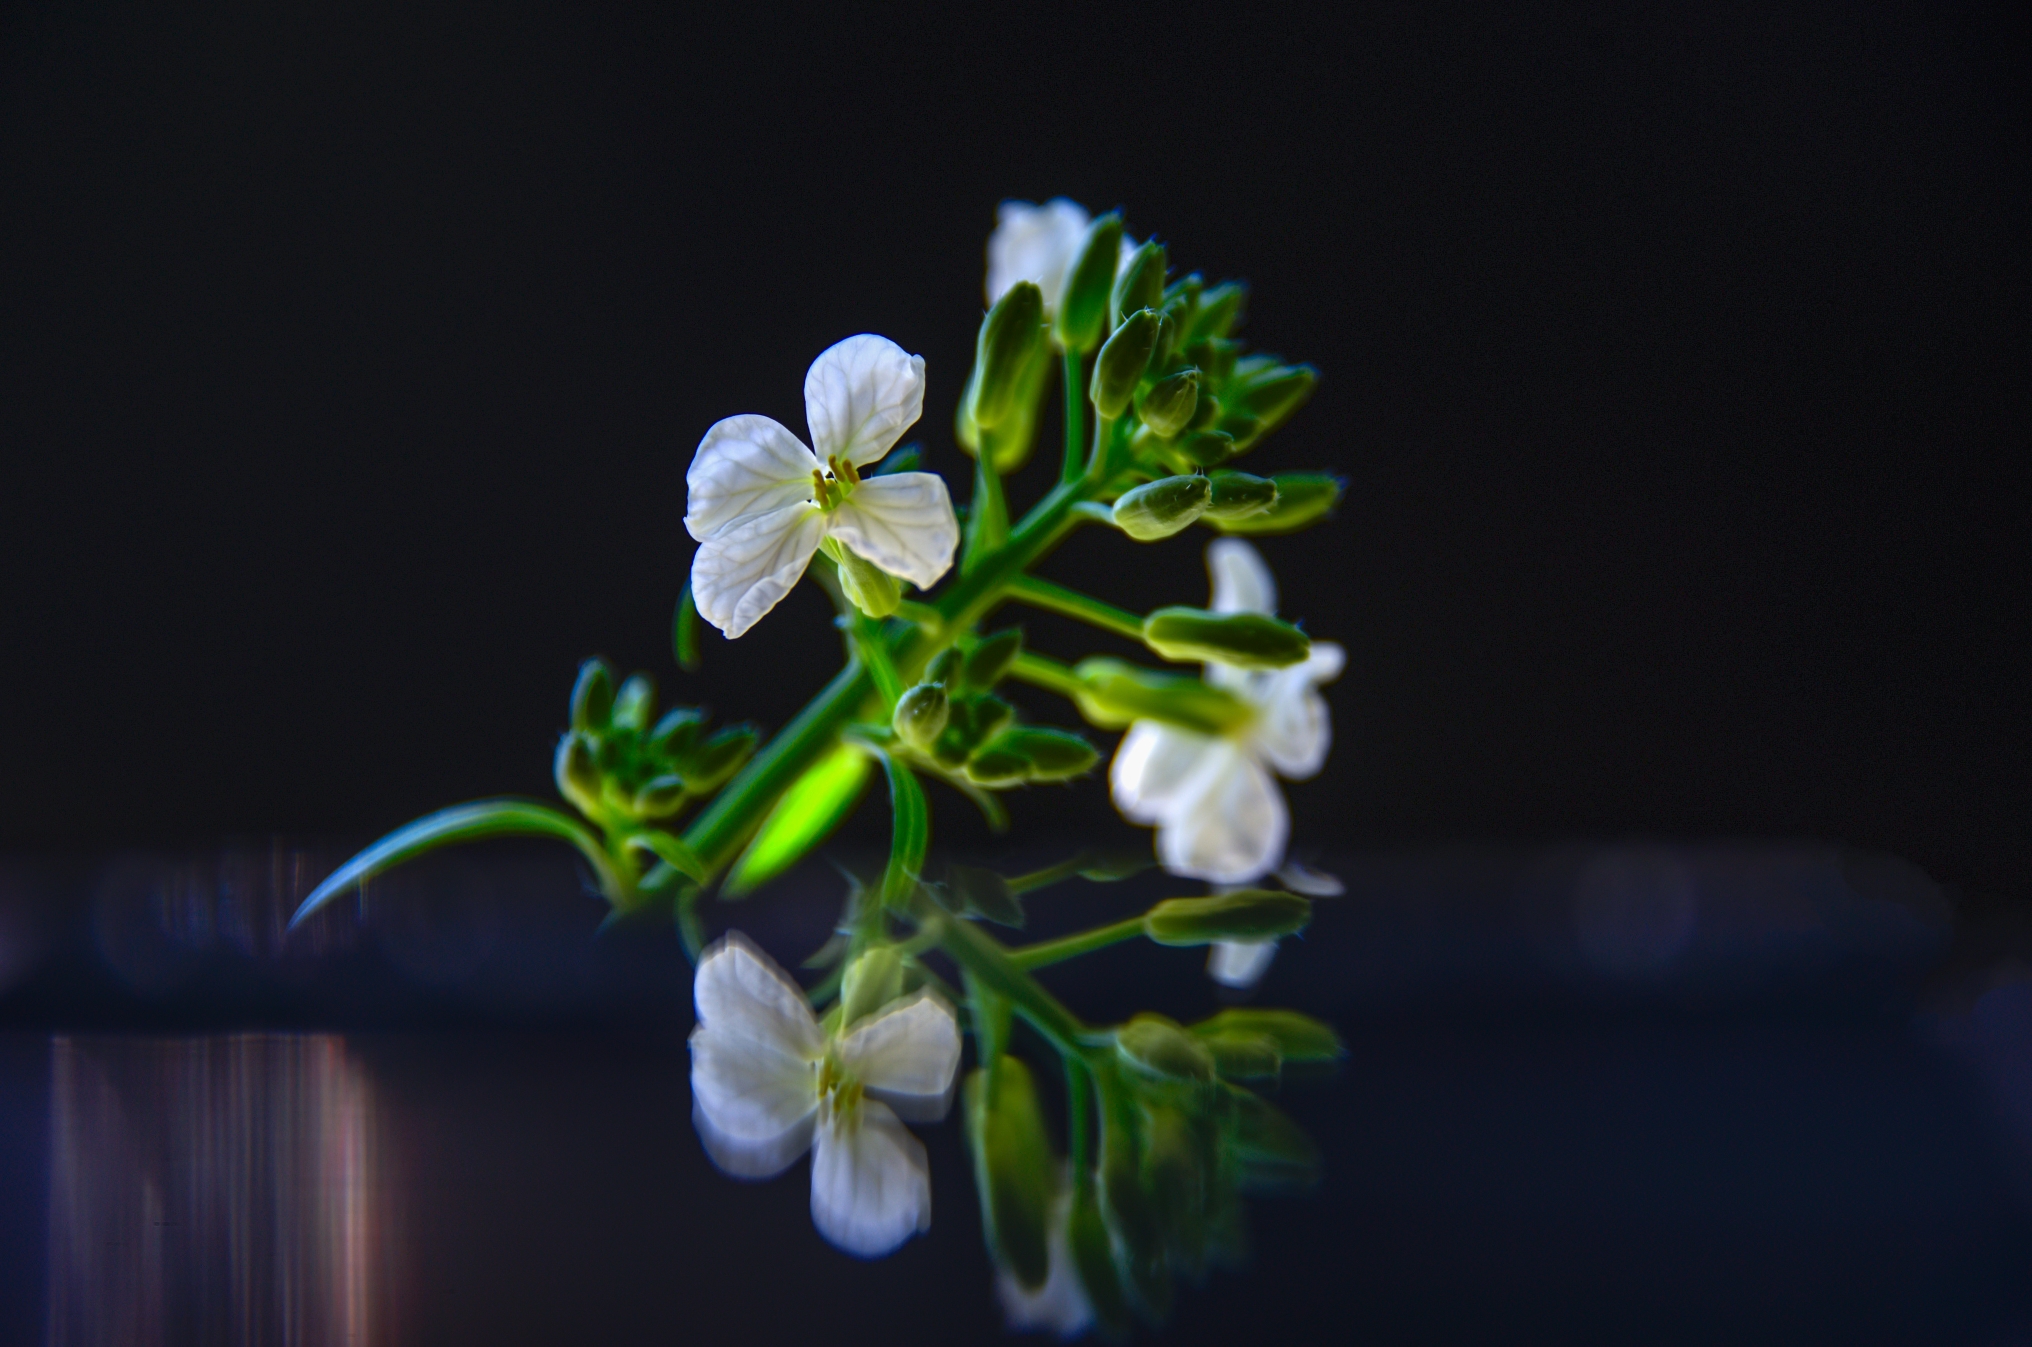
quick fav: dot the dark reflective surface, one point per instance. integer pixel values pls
(1608, 1095)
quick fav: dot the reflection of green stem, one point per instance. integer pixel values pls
(1047, 952)
(1078, 1120)
(1050, 874)
(1071, 603)
(983, 957)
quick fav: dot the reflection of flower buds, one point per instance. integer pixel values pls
(1141, 282)
(1274, 1153)
(1158, 1047)
(1298, 1038)
(990, 659)
(592, 698)
(1169, 405)
(921, 714)
(1113, 694)
(872, 981)
(1161, 508)
(1247, 914)
(1010, 338)
(1239, 495)
(1013, 1168)
(1302, 498)
(1083, 307)
(1242, 1056)
(1119, 367)
(1093, 1255)
(1245, 640)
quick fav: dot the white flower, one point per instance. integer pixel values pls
(1038, 243)
(1059, 1306)
(768, 1083)
(1218, 811)
(759, 502)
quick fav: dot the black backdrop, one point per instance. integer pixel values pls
(352, 358)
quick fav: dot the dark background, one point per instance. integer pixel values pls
(353, 356)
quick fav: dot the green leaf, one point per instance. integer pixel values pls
(684, 631)
(467, 823)
(983, 893)
(910, 833)
(804, 816)
(671, 851)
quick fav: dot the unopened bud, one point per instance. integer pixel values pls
(1219, 306)
(1272, 399)
(1089, 286)
(1207, 447)
(592, 697)
(990, 659)
(676, 732)
(1302, 498)
(1032, 754)
(1120, 366)
(1010, 337)
(577, 771)
(1246, 914)
(1113, 694)
(867, 586)
(1169, 406)
(1239, 495)
(718, 758)
(944, 668)
(1245, 640)
(1161, 508)
(1158, 1047)
(1141, 282)
(921, 714)
(662, 797)
(634, 704)
(872, 981)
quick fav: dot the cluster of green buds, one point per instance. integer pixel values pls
(1167, 1125)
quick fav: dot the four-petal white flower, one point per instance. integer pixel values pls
(1038, 243)
(768, 1083)
(760, 503)
(1218, 812)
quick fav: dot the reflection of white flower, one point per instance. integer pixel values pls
(1242, 963)
(1218, 812)
(759, 502)
(1060, 1305)
(1038, 243)
(768, 1083)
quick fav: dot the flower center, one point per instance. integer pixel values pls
(839, 1091)
(834, 483)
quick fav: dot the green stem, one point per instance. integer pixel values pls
(988, 514)
(1048, 952)
(1050, 874)
(981, 955)
(1043, 672)
(873, 651)
(1071, 603)
(1075, 412)
(1079, 1120)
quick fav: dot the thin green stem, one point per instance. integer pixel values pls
(1071, 603)
(1075, 413)
(1043, 672)
(1048, 952)
(1104, 435)
(1079, 1121)
(1050, 874)
(873, 651)
(981, 955)
(988, 512)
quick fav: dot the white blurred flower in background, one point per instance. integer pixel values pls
(1038, 243)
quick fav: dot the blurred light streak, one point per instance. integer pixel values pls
(221, 1190)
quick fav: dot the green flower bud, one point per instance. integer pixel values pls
(1169, 405)
(1093, 1257)
(1242, 429)
(1244, 1056)
(944, 667)
(1112, 694)
(1158, 1047)
(1273, 398)
(675, 734)
(577, 771)
(990, 659)
(974, 721)
(1119, 367)
(1245, 640)
(1238, 495)
(921, 714)
(1141, 282)
(1302, 498)
(1218, 309)
(592, 696)
(662, 797)
(1215, 357)
(867, 586)
(1013, 1168)
(711, 763)
(1031, 754)
(871, 982)
(1010, 338)
(1207, 447)
(1299, 1038)
(1247, 914)
(1083, 307)
(1161, 508)
(634, 704)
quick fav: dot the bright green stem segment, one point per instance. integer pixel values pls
(1075, 413)
(1071, 603)
(1048, 952)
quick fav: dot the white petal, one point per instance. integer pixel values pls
(1060, 1305)
(745, 466)
(870, 1185)
(740, 992)
(1241, 578)
(752, 1091)
(1151, 764)
(860, 396)
(1035, 243)
(903, 523)
(1240, 963)
(752, 1157)
(1227, 823)
(742, 572)
(908, 1054)
(1293, 728)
